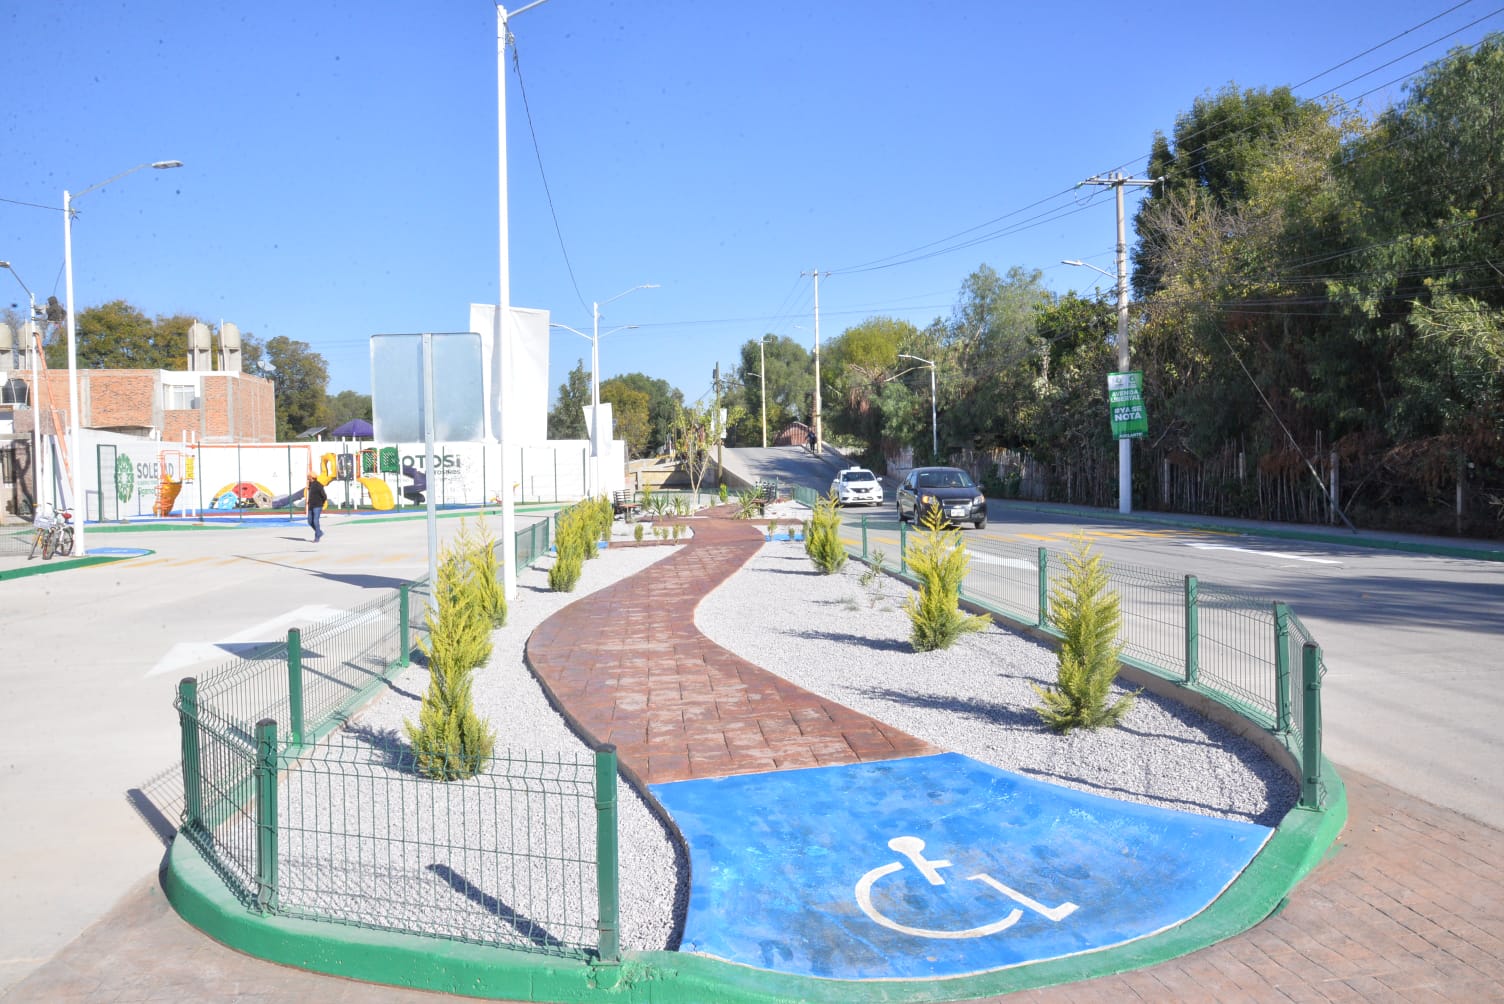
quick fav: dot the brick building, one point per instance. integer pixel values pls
(209, 406)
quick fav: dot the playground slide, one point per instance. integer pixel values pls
(414, 492)
(283, 501)
(380, 492)
(167, 494)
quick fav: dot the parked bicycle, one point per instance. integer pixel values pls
(54, 534)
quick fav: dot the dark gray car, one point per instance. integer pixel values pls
(948, 489)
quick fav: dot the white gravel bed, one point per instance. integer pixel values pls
(849, 642)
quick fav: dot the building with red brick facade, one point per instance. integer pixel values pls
(206, 406)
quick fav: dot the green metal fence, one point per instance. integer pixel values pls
(302, 820)
(1249, 653)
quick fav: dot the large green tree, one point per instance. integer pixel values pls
(629, 414)
(566, 419)
(790, 382)
(663, 403)
(301, 378)
(117, 335)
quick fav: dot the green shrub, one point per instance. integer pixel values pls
(723, 492)
(1089, 615)
(822, 541)
(938, 559)
(576, 538)
(449, 739)
(479, 550)
(637, 532)
(748, 504)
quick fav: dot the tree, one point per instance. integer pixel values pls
(862, 360)
(346, 406)
(117, 335)
(697, 431)
(301, 378)
(566, 419)
(629, 411)
(663, 403)
(992, 353)
(790, 381)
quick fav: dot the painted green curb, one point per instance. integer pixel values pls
(1297, 846)
(56, 565)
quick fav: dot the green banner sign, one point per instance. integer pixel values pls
(1125, 397)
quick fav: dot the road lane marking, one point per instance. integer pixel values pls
(186, 654)
(1264, 554)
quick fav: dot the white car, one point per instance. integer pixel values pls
(857, 486)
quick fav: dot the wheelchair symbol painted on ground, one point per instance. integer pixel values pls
(913, 849)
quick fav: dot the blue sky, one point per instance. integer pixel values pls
(340, 158)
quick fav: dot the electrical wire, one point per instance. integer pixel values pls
(548, 194)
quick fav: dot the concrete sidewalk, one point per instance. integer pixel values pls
(1411, 908)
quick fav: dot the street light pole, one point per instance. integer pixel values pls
(75, 448)
(1125, 445)
(819, 438)
(762, 361)
(595, 386)
(29, 330)
(934, 423)
(504, 298)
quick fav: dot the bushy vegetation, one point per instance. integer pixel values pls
(478, 547)
(822, 539)
(449, 739)
(938, 559)
(575, 535)
(1089, 616)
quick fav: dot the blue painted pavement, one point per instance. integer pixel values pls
(935, 866)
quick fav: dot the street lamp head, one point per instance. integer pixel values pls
(4, 264)
(162, 165)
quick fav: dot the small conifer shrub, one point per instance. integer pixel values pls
(938, 559)
(450, 741)
(1088, 615)
(822, 540)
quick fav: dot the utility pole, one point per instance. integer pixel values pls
(1125, 445)
(815, 413)
(715, 425)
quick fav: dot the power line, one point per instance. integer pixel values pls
(538, 152)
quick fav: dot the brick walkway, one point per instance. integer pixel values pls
(628, 666)
(1410, 908)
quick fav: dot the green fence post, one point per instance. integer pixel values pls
(295, 685)
(1044, 588)
(903, 548)
(864, 536)
(607, 876)
(1192, 631)
(266, 815)
(404, 624)
(1310, 733)
(193, 777)
(1282, 667)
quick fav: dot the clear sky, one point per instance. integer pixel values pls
(340, 158)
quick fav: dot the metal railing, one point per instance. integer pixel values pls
(301, 819)
(1248, 653)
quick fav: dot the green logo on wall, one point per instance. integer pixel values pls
(125, 478)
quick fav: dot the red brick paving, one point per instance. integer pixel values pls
(627, 666)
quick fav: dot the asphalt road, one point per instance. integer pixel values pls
(1413, 643)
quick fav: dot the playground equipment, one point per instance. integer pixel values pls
(168, 463)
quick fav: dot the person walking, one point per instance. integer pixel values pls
(316, 498)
